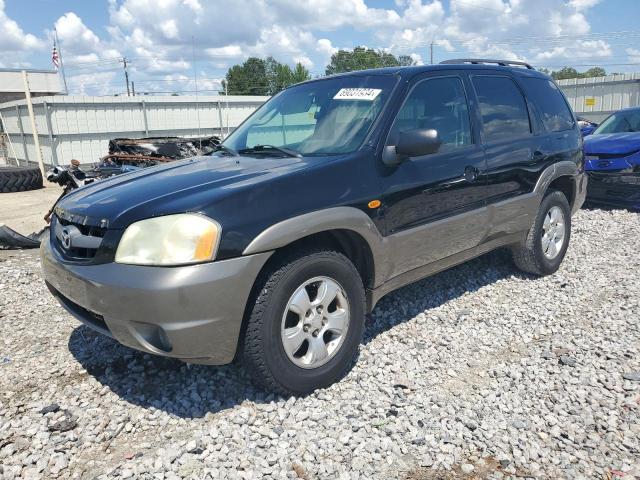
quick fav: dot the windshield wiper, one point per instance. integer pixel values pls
(224, 148)
(267, 148)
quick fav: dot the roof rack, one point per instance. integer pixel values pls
(476, 61)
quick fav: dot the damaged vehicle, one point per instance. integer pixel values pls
(613, 161)
(335, 192)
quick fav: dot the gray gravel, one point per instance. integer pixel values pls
(478, 372)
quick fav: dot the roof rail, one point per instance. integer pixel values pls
(504, 63)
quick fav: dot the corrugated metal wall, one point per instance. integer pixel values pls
(81, 127)
(596, 98)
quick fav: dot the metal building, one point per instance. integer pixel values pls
(80, 127)
(41, 82)
(596, 98)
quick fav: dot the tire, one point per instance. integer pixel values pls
(19, 179)
(530, 256)
(264, 353)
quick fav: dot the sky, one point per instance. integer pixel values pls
(171, 43)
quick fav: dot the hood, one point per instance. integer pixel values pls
(182, 186)
(612, 143)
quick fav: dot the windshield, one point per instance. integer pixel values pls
(326, 117)
(620, 122)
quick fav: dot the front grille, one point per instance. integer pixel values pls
(74, 240)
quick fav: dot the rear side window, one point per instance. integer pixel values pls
(502, 106)
(440, 104)
(549, 103)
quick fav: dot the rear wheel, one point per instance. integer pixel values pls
(544, 248)
(305, 327)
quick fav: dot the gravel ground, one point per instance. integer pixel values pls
(478, 372)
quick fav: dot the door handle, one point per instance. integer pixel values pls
(537, 156)
(470, 175)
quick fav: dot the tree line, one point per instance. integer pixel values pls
(570, 72)
(258, 76)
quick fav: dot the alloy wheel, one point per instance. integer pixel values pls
(315, 322)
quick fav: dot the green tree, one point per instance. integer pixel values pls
(566, 72)
(570, 72)
(361, 58)
(250, 78)
(595, 72)
(263, 77)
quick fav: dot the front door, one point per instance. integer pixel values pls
(435, 204)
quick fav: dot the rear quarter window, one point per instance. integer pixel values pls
(549, 104)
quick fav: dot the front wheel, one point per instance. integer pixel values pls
(305, 327)
(544, 248)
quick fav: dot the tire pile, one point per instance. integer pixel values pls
(19, 179)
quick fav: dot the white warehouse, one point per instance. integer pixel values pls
(598, 97)
(80, 127)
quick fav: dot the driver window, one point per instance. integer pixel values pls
(439, 104)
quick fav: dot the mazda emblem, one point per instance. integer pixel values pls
(66, 239)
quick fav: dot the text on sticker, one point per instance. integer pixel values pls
(368, 94)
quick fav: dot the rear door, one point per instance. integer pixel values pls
(434, 204)
(514, 148)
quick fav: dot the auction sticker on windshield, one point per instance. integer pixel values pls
(368, 94)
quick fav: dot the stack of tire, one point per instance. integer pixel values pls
(19, 179)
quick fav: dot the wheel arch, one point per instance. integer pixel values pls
(345, 229)
(560, 176)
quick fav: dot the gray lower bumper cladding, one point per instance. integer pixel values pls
(193, 312)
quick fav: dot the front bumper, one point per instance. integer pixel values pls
(193, 313)
(616, 189)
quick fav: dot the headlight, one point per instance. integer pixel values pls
(171, 240)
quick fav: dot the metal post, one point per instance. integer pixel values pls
(226, 94)
(220, 117)
(431, 51)
(54, 153)
(22, 137)
(144, 116)
(34, 129)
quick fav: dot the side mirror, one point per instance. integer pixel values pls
(412, 143)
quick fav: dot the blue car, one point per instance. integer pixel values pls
(612, 155)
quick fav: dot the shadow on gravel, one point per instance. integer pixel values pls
(431, 292)
(191, 391)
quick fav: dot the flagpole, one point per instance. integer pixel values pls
(64, 77)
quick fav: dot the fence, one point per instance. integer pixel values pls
(80, 127)
(595, 98)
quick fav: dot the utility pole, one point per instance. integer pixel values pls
(126, 75)
(431, 51)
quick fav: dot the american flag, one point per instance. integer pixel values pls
(55, 58)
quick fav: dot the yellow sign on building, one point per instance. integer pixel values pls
(590, 102)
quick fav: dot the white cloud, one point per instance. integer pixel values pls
(583, 4)
(158, 35)
(14, 42)
(634, 55)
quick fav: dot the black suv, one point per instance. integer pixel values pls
(333, 193)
